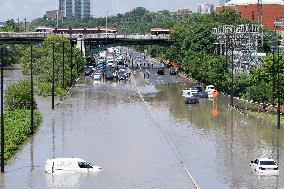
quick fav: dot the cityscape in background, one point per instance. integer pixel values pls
(75, 8)
(81, 9)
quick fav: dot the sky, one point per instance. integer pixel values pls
(31, 9)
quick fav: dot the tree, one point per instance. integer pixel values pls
(42, 64)
(17, 96)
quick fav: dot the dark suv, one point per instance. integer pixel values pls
(191, 100)
(161, 71)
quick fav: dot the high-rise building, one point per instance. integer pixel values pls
(61, 4)
(185, 11)
(75, 8)
(205, 8)
(54, 15)
(78, 9)
(86, 8)
(222, 2)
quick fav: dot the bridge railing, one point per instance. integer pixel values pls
(85, 36)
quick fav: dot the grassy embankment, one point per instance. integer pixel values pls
(17, 129)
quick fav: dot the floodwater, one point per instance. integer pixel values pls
(140, 144)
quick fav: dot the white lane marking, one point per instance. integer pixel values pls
(167, 138)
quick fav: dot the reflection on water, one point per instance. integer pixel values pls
(108, 124)
(221, 147)
(67, 180)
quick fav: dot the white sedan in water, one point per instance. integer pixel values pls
(264, 166)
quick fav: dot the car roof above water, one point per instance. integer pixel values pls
(68, 159)
(266, 159)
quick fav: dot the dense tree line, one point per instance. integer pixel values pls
(193, 49)
(139, 20)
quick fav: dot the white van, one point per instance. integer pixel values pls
(66, 165)
(209, 89)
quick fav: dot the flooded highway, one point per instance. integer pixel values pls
(140, 144)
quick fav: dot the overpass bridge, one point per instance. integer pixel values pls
(81, 40)
(38, 37)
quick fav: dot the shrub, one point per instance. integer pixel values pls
(17, 96)
(17, 129)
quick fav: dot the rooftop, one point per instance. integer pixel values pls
(249, 2)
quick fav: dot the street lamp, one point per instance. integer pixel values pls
(32, 92)
(106, 21)
(2, 113)
(106, 25)
(232, 75)
(25, 19)
(71, 63)
(18, 28)
(278, 91)
(53, 60)
(63, 68)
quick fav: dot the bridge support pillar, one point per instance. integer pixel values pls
(81, 45)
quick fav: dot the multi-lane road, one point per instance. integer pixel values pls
(144, 136)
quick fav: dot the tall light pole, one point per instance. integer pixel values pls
(106, 25)
(232, 76)
(57, 18)
(2, 113)
(25, 19)
(53, 60)
(63, 68)
(278, 91)
(32, 93)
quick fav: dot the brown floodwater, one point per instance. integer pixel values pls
(140, 144)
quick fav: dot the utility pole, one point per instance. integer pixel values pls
(63, 61)
(106, 22)
(106, 26)
(25, 19)
(273, 76)
(56, 18)
(32, 93)
(2, 113)
(71, 64)
(53, 60)
(232, 74)
(278, 91)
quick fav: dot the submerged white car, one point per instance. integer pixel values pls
(209, 88)
(97, 75)
(189, 92)
(264, 166)
(70, 165)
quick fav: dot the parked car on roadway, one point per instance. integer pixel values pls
(191, 100)
(121, 75)
(189, 91)
(97, 75)
(109, 74)
(88, 71)
(264, 166)
(161, 71)
(201, 94)
(209, 89)
(70, 165)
